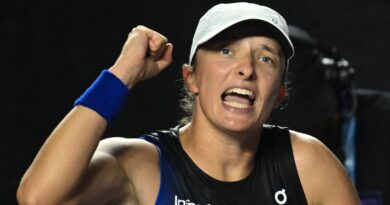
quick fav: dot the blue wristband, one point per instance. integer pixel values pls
(106, 96)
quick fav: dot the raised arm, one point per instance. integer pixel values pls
(67, 169)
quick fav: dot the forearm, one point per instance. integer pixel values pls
(62, 160)
(59, 169)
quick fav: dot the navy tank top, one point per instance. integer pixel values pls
(273, 180)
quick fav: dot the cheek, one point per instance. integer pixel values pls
(269, 86)
(210, 78)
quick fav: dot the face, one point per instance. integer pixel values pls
(237, 82)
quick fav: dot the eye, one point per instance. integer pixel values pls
(225, 51)
(266, 59)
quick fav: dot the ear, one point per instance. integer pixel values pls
(189, 78)
(282, 94)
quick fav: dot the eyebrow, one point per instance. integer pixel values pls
(218, 44)
(272, 50)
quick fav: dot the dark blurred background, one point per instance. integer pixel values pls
(50, 52)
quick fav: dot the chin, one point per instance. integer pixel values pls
(242, 127)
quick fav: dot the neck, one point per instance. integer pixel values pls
(222, 155)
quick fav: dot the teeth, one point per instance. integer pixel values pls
(236, 104)
(240, 91)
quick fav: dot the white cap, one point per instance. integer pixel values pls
(223, 16)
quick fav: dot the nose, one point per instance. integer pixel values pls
(245, 69)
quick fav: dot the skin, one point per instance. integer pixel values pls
(232, 132)
(126, 171)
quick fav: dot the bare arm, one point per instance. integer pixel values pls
(63, 172)
(323, 177)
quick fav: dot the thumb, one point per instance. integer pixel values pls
(166, 57)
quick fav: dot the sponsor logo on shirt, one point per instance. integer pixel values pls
(184, 202)
(281, 197)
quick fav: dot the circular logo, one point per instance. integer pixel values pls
(281, 197)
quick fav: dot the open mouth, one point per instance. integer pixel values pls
(238, 98)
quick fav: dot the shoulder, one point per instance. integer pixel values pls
(137, 162)
(112, 173)
(130, 152)
(143, 153)
(322, 175)
(120, 146)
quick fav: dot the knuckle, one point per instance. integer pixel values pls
(162, 39)
(165, 40)
(137, 29)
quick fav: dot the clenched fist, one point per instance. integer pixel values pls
(144, 55)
